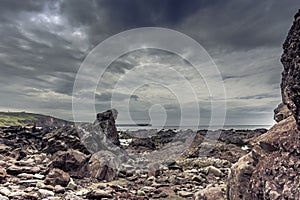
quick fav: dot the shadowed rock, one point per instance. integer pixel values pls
(290, 85)
(105, 123)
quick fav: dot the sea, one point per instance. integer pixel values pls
(225, 127)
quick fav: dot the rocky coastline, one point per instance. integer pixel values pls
(95, 161)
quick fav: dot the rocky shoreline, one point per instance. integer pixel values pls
(57, 163)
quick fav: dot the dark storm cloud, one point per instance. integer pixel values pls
(43, 43)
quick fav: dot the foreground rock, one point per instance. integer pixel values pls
(271, 170)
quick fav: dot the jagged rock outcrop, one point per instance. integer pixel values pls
(272, 169)
(105, 123)
(290, 85)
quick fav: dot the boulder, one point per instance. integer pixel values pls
(72, 161)
(103, 165)
(105, 123)
(57, 177)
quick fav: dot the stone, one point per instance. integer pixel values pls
(59, 189)
(99, 194)
(3, 197)
(5, 191)
(72, 161)
(3, 175)
(215, 171)
(185, 194)
(140, 193)
(154, 170)
(71, 196)
(57, 177)
(102, 166)
(72, 185)
(22, 195)
(15, 170)
(105, 123)
(142, 144)
(45, 193)
(209, 193)
(82, 192)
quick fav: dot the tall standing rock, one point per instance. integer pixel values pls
(272, 169)
(290, 85)
(105, 123)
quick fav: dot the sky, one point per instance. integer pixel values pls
(44, 43)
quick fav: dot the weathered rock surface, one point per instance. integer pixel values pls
(290, 85)
(272, 167)
(57, 177)
(105, 123)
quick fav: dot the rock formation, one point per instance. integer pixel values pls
(272, 169)
(105, 123)
(290, 85)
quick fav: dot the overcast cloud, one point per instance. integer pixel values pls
(43, 43)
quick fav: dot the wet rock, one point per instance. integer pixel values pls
(57, 177)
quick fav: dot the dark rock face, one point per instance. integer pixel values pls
(290, 86)
(271, 170)
(105, 123)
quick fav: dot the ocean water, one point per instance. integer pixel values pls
(226, 127)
